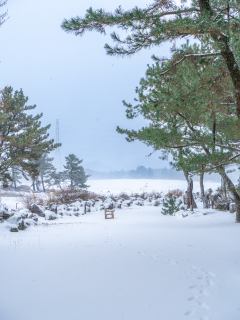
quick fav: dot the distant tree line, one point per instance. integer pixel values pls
(143, 173)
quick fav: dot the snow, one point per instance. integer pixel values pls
(140, 265)
(116, 186)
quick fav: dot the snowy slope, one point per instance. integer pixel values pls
(140, 266)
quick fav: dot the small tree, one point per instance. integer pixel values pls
(46, 169)
(171, 205)
(75, 172)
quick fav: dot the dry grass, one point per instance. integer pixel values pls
(69, 195)
(29, 199)
(176, 192)
(124, 195)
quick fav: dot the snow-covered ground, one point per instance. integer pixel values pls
(115, 186)
(141, 265)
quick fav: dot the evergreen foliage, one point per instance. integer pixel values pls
(22, 138)
(46, 170)
(75, 172)
(58, 178)
(215, 24)
(171, 205)
(194, 123)
(3, 16)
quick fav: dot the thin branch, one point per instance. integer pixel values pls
(224, 164)
(188, 56)
(227, 147)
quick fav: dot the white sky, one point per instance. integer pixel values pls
(72, 79)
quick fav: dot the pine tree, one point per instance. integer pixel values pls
(46, 170)
(15, 176)
(171, 205)
(215, 24)
(22, 138)
(197, 125)
(75, 172)
(57, 178)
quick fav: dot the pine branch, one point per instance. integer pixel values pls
(195, 55)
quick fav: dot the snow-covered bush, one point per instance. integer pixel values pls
(222, 204)
(171, 205)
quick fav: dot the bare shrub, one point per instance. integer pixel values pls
(93, 196)
(29, 199)
(155, 194)
(176, 192)
(124, 195)
(68, 195)
(135, 195)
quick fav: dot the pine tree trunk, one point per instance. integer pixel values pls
(37, 184)
(223, 43)
(15, 184)
(33, 184)
(203, 197)
(189, 192)
(223, 185)
(42, 183)
(233, 190)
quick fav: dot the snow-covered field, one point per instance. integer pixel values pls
(141, 265)
(115, 186)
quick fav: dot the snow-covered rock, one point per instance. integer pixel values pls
(49, 215)
(38, 210)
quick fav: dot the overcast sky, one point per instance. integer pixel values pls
(72, 79)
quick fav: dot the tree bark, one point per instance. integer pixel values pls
(223, 43)
(203, 197)
(42, 184)
(189, 192)
(33, 184)
(37, 184)
(232, 188)
(223, 185)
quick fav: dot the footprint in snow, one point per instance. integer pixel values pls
(210, 282)
(194, 268)
(189, 313)
(204, 305)
(205, 292)
(192, 298)
(193, 286)
(154, 257)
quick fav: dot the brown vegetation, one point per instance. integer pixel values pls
(176, 192)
